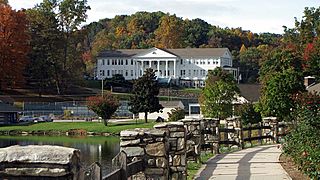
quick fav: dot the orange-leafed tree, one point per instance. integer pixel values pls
(170, 32)
(13, 46)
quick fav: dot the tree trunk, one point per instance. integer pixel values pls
(146, 117)
(105, 122)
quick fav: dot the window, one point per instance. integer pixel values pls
(208, 61)
(181, 61)
(108, 62)
(131, 72)
(197, 62)
(126, 61)
(168, 72)
(112, 62)
(102, 73)
(121, 62)
(108, 73)
(131, 61)
(189, 61)
(102, 61)
(126, 72)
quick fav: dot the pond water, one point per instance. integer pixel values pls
(93, 149)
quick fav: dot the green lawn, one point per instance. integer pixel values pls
(113, 128)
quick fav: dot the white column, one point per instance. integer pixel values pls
(150, 63)
(166, 68)
(158, 68)
(174, 69)
(141, 68)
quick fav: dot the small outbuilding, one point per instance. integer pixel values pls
(8, 114)
(167, 107)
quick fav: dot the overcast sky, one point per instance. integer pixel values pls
(255, 15)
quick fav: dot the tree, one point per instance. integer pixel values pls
(196, 32)
(176, 114)
(46, 42)
(278, 88)
(103, 106)
(170, 32)
(217, 96)
(3, 2)
(145, 91)
(13, 46)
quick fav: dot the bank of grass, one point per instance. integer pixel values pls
(97, 127)
(193, 167)
(65, 139)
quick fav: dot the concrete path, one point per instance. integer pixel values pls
(258, 163)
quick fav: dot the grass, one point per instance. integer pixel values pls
(193, 167)
(65, 139)
(112, 128)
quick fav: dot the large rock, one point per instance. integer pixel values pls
(39, 161)
(133, 151)
(156, 149)
(39, 154)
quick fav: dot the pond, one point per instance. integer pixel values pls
(93, 149)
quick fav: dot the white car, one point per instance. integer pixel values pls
(26, 119)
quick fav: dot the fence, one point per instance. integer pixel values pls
(77, 108)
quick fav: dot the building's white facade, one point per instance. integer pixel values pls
(188, 67)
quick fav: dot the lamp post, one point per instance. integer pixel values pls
(101, 75)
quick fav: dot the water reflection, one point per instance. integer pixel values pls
(93, 149)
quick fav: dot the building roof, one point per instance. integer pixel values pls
(183, 53)
(171, 104)
(120, 53)
(314, 89)
(199, 52)
(8, 108)
(250, 91)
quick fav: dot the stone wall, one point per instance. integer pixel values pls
(150, 145)
(177, 149)
(194, 137)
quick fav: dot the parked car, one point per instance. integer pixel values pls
(46, 118)
(26, 119)
(38, 119)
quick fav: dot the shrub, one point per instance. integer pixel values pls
(176, 114)
(248, 114)
(303, 143)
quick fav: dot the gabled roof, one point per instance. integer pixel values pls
(120, 53)
(250, 91)
(183, 53)
(314, 89)
(199, 52)
(8, 108)
(171, 104)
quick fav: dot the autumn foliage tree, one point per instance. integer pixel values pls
(103, 106)
(13, 46)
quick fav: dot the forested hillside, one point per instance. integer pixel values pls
(157, 29)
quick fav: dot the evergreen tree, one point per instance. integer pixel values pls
(145, 91)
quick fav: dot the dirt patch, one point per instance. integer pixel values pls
(290, 167)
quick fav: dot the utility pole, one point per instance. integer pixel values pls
(101, 75)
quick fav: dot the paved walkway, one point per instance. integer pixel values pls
(258, 163)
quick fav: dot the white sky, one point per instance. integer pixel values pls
(255, 15)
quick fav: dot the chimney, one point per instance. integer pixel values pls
(309, 80)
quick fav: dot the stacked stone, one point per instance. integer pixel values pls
(211, 136)
(150, 145)
(177, 149)
(273, 123)
(194, 137)
(236, 135)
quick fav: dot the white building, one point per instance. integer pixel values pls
(187, 67)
